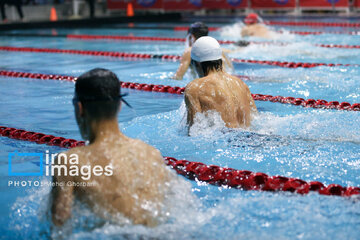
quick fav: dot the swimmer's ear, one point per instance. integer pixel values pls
(80, 108)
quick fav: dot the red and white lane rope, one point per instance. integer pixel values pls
(303, 33)
(166, 57)
(211, 174)
(166, 39)
(315, 24)
(309, 103)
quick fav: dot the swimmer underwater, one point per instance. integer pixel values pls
(139, 180)
(196, 30)
(216, 90)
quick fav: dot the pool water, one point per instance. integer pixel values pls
(292, 141)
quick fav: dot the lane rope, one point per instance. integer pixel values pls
(211, 174)
(167, 39)
(308, 103)
(303, 33)
(167, 57)
(315, 24)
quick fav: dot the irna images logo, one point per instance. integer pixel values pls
(55, 164)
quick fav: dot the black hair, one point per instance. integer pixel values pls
(208, 66)
(198, 29)
(99, 92)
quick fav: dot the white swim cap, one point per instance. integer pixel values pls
(206, 49)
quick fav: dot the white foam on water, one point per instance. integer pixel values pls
(233, 31)
(206, 124)
(326, 125)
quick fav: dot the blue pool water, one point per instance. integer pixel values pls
(310, 144)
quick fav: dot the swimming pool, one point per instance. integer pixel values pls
(292, 141)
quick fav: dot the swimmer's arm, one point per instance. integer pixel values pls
(192, 104)
(253, 107)
(62, 199)
(228, 61)
(245, 32)
(227, 51)
(184, 65)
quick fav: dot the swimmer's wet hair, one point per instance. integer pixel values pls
(99, 92)
(208, 66)
(198, 29)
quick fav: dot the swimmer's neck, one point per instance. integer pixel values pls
(105, 130)
(215, 72)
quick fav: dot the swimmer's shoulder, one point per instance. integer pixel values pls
(197, 83)
(142, 147)
(238, 80)
(195, 86)
(243, 87)
(78, 151)
(81, 153)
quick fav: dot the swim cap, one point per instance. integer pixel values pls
(206, 49)
(251, 18)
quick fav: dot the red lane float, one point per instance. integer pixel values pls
(309, 103)
(291, 64)
(314, 24)
(215, 175)
(166, 39)
(128, 38)
(165, 57)
(37, 76)
(303, 33)
(39, 138)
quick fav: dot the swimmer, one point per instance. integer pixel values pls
(215, 89)
(196, 31)
(254, 28)
(136, 188)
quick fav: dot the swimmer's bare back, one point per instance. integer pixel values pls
(225, 94)
(256, 30)
(136, 188)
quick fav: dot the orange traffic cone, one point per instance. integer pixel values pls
(53, 15)
(130, 10)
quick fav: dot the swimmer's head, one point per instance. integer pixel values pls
(97, 98)
(196, 31)
(252, 18)
(206, 56)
